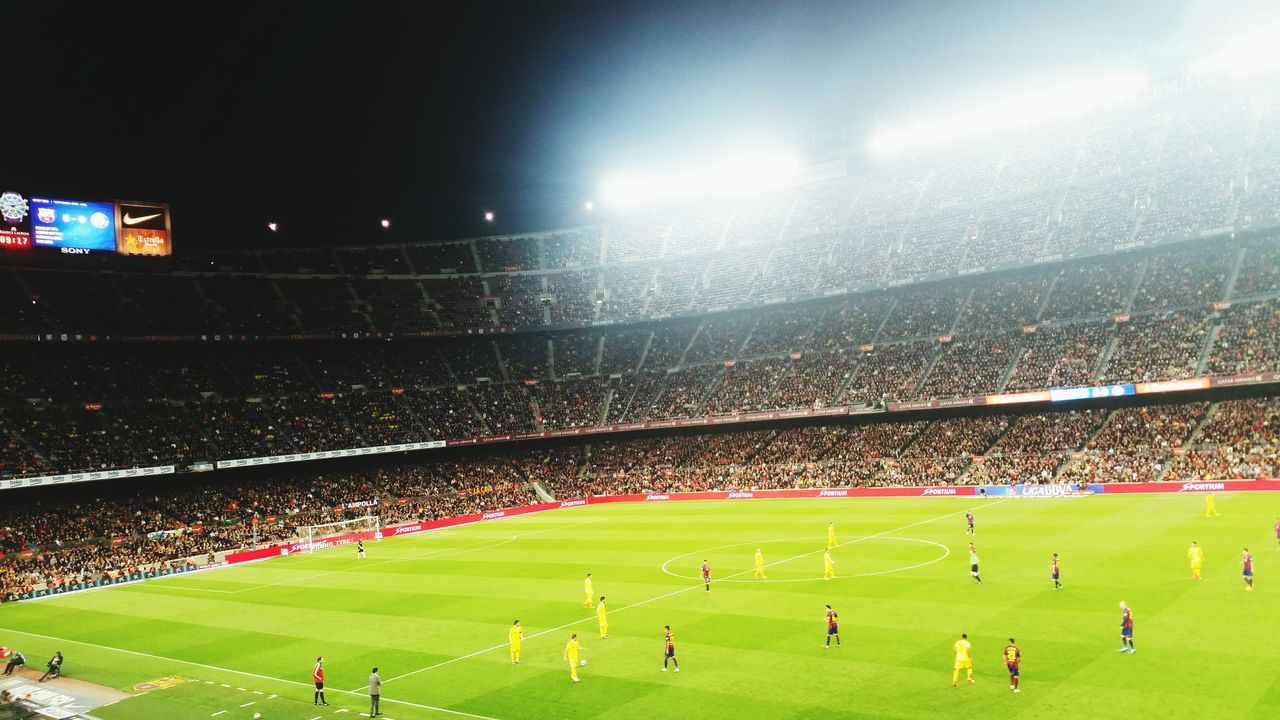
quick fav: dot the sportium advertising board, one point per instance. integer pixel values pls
(78, 227)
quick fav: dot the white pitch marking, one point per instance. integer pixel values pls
(443, 552)
(674, 592)
(217, 713)
(946, 552)
(245, 673)
(251, 702)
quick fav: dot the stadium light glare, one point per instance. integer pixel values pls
(589, 206)
(385, 223)
(1254, 52)
(273, 226)
(738, 175)
(488, 216)
(1068, 100)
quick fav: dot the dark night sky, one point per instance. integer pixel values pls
(327, 115)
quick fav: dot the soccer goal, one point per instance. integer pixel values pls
(316, 535)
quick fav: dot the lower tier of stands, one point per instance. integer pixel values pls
(68, 534)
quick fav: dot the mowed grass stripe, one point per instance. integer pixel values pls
(749, 651)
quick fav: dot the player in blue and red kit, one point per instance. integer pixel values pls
(1126, 629)
(1013, 661)
(1246, 562)
(968, 518)
(833, 627)
(706, 575)
(1056, 571)
(669, 650)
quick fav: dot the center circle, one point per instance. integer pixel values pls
(739, 577)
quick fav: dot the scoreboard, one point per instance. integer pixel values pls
(84, 226)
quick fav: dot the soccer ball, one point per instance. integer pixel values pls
(256, 716)
(582, 662)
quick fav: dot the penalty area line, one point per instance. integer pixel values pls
(677, 591)
(428, 555)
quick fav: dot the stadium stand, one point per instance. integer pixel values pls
(1140, 247)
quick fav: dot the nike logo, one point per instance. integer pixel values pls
(135, 220)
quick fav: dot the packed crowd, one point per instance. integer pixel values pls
(94, 410)
(1196, 302)
(86, 531)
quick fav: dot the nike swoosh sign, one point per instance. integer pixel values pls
(135, 220)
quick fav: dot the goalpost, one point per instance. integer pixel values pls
(315, 535)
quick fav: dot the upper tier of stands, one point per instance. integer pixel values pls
(1184, 312)
(976, 272)
(1183, 169)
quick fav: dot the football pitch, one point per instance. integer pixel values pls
(432, 612)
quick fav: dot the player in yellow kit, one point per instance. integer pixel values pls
(590, 592)
(1209, 509)
(603, 618)
(1196, 557)
(963, 660)
(571, 654)
(831, 535)
(514, 636)
(828, 565)
(760, 565)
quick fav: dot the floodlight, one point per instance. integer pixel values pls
(488, 216)
(589, 206)
(739, 175)
(1067, 100)
(273, 226)
(1251, 53)
(385, 223)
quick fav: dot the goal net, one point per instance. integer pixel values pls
(345, 532)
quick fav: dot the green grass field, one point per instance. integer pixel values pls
(433, 611)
